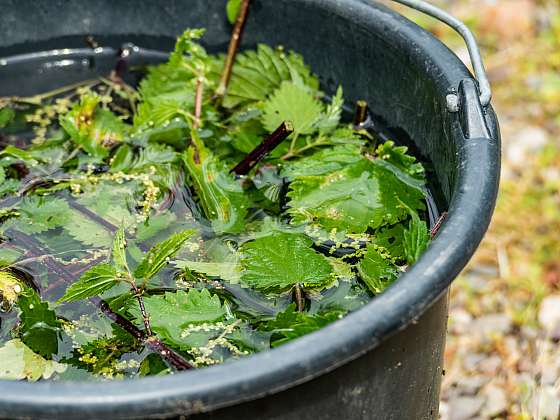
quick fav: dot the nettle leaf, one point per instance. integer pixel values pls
(171, 313)
(292, 102)
(416, 238)
(220, 195)
(279, 261)
(257, 74)
(39, 214)
(118, 254)
(17, 362)
(87, 231)
(232, 10)
(291, 324)
(153, 225)
(391, 239)
(39, 327)
(323, 162)
(359, 196)
(13, 152)
(377, 269)
(397, 156)
(159, 255)
(93, 128)
(93, 282)
(331, 118)
(6, 116)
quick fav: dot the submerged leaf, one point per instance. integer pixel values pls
(291, 324)
(17, 361)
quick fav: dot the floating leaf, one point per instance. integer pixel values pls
(376, 269)
(232, 10)
(416, 238)
(39, 325)
(17, 361)
(171, 313)
(293, 103)
(160, 255)
(93, 282)
(281, 260)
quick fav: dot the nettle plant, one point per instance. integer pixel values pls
(218, 208)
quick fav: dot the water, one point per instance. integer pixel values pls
(33, 73)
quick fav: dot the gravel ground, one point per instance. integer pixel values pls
(502, 358)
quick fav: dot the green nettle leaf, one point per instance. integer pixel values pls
(377, 269)
(160, 255)
(39, 214)
(291, 324)
(93, 282)
(257, 74)
(232, 10)
(87, 231)
(171, 313)
(39, 324)
(153, 225)
(92, 128)
(359, 196)
(398, 157)
(292, 102)
(331, 118)
(6, 116)
(118, 255)
(17, 361)
(220, 195)
(416, 238)
(18, 154)
(228, 271)
(279, 261)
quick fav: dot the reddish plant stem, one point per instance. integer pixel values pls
(360, 115)
(145, 317)
(266, 146)
(198, 102)
(300, 304)
(233, 47)
(435, 229)
(156, 345)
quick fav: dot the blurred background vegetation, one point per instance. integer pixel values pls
(502, 357)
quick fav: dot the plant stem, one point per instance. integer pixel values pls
(299, 298)
(145, 316)
(435, 229)
(198, 102)
(361, 114)
(233, 47)
(266, 146)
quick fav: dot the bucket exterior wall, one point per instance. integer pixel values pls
(383, 361)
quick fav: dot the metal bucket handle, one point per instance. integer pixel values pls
(474, 52)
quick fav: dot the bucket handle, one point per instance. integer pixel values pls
(472, 46)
